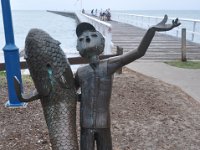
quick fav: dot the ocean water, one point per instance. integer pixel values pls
(59, 27)
(63, 28)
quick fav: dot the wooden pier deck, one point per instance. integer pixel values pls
(162, 48)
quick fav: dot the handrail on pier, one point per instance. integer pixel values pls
(72, 60)
(192, 25)
(101, 26)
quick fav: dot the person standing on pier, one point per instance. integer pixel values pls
(95, 81)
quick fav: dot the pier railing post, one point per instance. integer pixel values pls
(194, 29)
(11, 55)
(183, 44)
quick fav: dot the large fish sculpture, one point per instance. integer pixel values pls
(54, 83)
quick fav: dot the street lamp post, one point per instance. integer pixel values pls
(11, 56)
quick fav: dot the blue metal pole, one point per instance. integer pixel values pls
(11, 55)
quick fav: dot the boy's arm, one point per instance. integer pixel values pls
(119, 61)
(77, 85)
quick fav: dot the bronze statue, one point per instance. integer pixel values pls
(95, 81)
(56, 87)
(54, 82)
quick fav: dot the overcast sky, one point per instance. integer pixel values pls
(112, 4)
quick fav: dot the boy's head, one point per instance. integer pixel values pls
(90, 42)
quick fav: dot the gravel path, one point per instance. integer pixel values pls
(147, 114)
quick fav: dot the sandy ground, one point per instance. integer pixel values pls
(147, 114)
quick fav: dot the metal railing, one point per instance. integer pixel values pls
(73, 60)
(104, 28)
(192, 25)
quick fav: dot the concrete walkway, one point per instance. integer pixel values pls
(187, 79)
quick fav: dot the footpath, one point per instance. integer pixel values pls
(187, 79)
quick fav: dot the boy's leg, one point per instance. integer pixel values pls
(87, 139)
(103, 138)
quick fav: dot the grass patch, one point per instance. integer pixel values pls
(2, 73)
(26, 78)
(187, 64)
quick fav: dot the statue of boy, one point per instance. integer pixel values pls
(95, 81)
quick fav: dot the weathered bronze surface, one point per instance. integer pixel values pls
(56, 88)
(53, 79)
(95, 81)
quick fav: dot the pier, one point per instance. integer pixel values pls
(164, 47)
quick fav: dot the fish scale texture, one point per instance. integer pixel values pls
(53, 79)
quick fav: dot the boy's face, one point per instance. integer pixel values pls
(90, 43)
